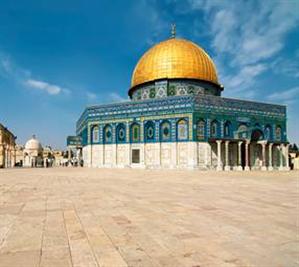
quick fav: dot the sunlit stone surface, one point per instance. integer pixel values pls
(108, 217)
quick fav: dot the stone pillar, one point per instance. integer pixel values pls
(247, 168)
(13, 162)
(114, 146)
(219, 162)
(206, 155)
(2, 156)
(287, 167)
(239, 167)
(227, 166)
(114, 155)
(270, 165)
(5, 157)
(69, 157)
(281, 168)
(264, 168)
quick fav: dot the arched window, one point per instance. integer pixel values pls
(107, 136)
(95, 134)
(182, 130)
(214, 128)
(149, 131)
(121, 133)
(165, 131)
(227, 129)
(267, 132)
(278, 133)
(135, 133)
(242, 131)
(257, 135)
(200, 129)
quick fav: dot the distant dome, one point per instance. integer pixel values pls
(33, 144)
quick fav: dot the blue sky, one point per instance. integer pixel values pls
(58, 56)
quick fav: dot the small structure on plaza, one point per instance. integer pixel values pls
(19, 155)
(74, 151)
(177, 118)
(7, 147)
(33, 153)
(294, 157)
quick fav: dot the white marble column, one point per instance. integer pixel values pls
(227, 166)
(270, 165)
(114, 147)
(264, 168)
(69, 157)
(206, 155)
(219, 161)
(247, 168)
(13, 162)
(280, 149)
(5, 157)
(286, 150)
(239, 167)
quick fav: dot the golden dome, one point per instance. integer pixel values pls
(174, 58)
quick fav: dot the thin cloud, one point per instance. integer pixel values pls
(10, 70)
(250, 39)
(91, 96)
(289, 67)
(245, 42)
(51, 89)
(107, 98)
(285, 95)
(154, 24)
(115, 97)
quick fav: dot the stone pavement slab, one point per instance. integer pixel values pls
(124, 217)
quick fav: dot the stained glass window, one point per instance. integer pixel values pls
(107, 134)
(268, 132)
(227, 129)
(278, 133)
(121, 133)
(149, 131)
(200, 131)
(165, 131)
(135, 133)
(214, 130)
(152, 93)
(242, 131)
(182, 129)
(95, 134)
(171, 91)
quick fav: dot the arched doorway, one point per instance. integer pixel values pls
(243, 155)
(257, 135)
(255, 154)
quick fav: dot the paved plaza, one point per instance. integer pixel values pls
(110, 217)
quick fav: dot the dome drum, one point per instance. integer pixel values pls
(173, 87)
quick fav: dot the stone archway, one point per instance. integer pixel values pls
(255, 155)
(257, 135)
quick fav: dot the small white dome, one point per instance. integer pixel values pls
(33, 144)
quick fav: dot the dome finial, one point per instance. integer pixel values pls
(173, 30)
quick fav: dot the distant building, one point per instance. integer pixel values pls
(7, 148)
(33, 153)
(58, 157)
(19, 155)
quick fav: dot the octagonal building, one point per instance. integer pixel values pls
(177, 118)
